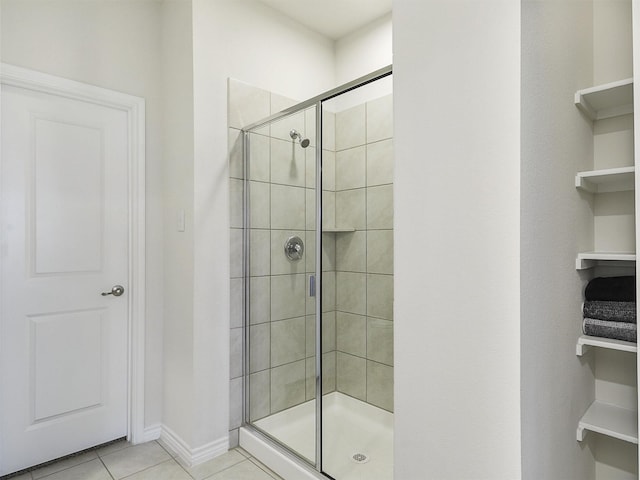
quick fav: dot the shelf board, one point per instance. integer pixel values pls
(606, 101)
(585, 342)
(609, 180)
(590, 259)
(609, 420)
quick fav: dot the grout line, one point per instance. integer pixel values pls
(264, 468)
(149, 468)
(105, 467)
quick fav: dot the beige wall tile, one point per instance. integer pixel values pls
(260, 202)
(259, 347)
(236, 161)
(287, 207)
(380, 340)
(328, 170)
(310, 339)
(380, 163)
(287, 341)
(288, 385)
(328, 130)
(380, 119)
(247, 104)
(328, 331)
(328, 209)
(351, 251)
(259, 252)
(235, 403)
(259, 299)
(236, 252)
(351, 168)
(310, 380)
(236, 192)
(328, 251)
(259, 395)
(280, 102)
(328, 372)
(350, 128)
(380, 296)
(236, 340)
(288, 163)
(380, 207)
(328, 291)
(351, 292)
(310, 167)
(310, 209)
(288, 294)
(380, 385)
(310, 124)
(351, 334)
(259, 157)
(281, 128)
(311, 301)
(380, 251)
(237, 302)
(351, 209)
(351, 375)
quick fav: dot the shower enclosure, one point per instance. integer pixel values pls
(318, 278)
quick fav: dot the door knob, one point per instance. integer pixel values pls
(116, 291)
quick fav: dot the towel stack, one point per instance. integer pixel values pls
(610, 308)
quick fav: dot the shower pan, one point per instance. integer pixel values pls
(318, 276)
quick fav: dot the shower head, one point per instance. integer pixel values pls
(304, 142)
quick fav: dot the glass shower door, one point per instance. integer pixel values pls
(280, 229)
(357, 318)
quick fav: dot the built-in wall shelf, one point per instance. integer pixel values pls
(606, 101)
(609, 180)
(609, 420)
(338, 230)
(585, 342)
(586, 260)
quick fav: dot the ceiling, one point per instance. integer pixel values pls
(332, 18)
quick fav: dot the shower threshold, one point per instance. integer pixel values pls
(358, 439)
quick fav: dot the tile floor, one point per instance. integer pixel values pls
(149, 461)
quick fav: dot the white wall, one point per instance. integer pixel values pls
(557, 142)
(364, 50)
(245, 40)
(177, 88)
(115, 45)
(457, 239)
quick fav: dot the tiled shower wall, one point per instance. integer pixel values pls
(282, 319)
(364, 258)
(357, 268)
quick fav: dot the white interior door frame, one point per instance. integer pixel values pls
(135, 111)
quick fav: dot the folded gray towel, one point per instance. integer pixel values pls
(606, 310)
(607, 329)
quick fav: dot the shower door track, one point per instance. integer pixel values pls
(317, 102)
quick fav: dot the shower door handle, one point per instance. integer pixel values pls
(312, 285)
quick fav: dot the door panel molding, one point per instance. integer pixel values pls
(134, 107)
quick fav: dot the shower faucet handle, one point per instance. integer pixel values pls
(294, 248)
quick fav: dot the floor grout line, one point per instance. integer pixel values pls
(105, 467)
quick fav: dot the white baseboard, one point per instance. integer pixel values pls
(151, 433)
(193, 456)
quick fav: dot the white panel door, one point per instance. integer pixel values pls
(63, 351)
